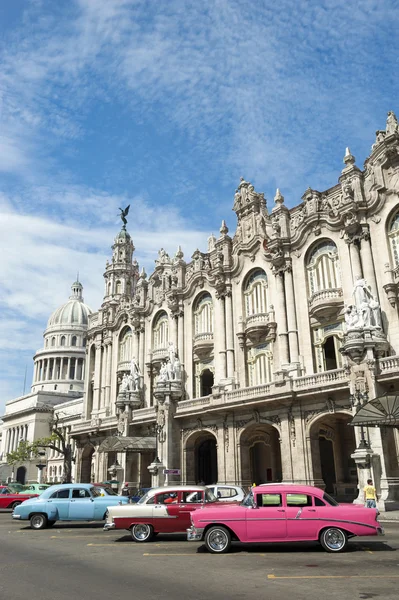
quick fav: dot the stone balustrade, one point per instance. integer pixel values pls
(330, 294)
(327, 378)
(389, 364)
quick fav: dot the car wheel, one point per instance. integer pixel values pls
(38, 521)
(142, 532)
(218, 540)
(333, 539)
(15, 504)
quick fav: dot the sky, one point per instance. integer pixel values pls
(163, 105)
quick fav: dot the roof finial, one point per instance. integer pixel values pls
(349, 159)
(224, 229)
(278, 198)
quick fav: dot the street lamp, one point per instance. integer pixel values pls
(357, 400)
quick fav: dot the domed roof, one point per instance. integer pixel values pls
(73, 312)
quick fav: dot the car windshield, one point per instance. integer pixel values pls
(248, 500)
(210, 496)
(144, 498)
(94, 492)
(109, 492)
(327, 498)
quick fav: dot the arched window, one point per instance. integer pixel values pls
(63, 340)
(203, 314)
(323, 267)
(109, 288)
(118, 287)
(255, 293)
(125, 344)
(161, 332)
(327, 342)
(73, 341)
(260, 364)
(53, 341)
(84, 342)
(47, 343)
(128, 288)
(393, 236)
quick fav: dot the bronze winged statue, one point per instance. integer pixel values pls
(123, 214)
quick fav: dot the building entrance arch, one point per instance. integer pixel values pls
(21, 475)
(260, 454)
(331, 444)
(87, 456)
(201, 459)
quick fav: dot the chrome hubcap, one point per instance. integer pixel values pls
(37, 521)
(217, 540)
(141, 532)
(334, 539)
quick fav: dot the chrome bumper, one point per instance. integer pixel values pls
(109, 526)
(17, 517)
(194, 534)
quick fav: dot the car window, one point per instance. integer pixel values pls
(327, 498)
(299, 500)
(64, 493)
(193, 497)
(210, 496)
(167, 498)
(42, 487)
(80, 493)
(268, 500)
(226, 492)
(95, 492)
(319, 502)
(144, 499)
(212, 489)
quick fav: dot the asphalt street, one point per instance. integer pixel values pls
(81, 561)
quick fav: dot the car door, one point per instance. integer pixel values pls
(57, 505)
(81, 505)
(267, 521)
(190, 501)
(302, 517)
(166, 511)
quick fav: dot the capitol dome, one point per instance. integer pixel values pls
(74, 312)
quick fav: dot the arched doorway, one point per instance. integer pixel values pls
(206, 461)
(200, 458)
(87, 455)
(206, 382)
(331, 444)
(21, 475)
(260, 454)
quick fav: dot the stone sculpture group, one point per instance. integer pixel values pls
(170, 368)
(365, 312)
(131, 382)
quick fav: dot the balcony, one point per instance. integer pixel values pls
(203, 344)
(326, 304)
(326, 379)
(260, 327)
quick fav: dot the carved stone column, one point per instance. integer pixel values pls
(108, 375)
(229, 335)
(354, 251)
(136, 336)
(141, 357)
(173, 332)
(367, 261)
(97, 376)
(180, 345)
(281, 318)
(291, 316)
(219, 336)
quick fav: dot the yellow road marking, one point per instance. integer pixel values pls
(333, 576)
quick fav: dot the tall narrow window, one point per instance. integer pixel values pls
(255, 293)
(327, 344)
(260, 364)
(393, 236)
(323, 267)
(125, 344)
(73, 341)
(203, 314)
(161, 332)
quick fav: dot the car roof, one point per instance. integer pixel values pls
(72, 485)
(288, 487)
(176, 488)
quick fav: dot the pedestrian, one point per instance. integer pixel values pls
(370, 494)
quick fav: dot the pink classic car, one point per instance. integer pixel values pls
(283, 513)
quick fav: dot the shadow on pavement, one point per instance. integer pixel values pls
(312, 548)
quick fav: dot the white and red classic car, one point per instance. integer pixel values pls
(160, 510)
(283, 513)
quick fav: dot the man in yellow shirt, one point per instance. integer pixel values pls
(370, 494)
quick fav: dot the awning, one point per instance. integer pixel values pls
(382, 411)
(118, 443)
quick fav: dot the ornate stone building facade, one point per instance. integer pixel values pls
(247, 363)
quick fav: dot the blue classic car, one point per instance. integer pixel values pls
(66, 502)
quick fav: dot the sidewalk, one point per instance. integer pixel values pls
(392, 515)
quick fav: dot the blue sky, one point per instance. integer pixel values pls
(164, 105)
